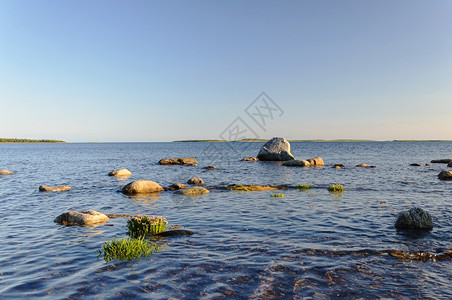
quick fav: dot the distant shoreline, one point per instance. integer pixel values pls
(312, 141)
(27, 141)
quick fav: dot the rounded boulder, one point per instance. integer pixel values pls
(120, 173)
(141, 187)
(82, 218)
(276, 149)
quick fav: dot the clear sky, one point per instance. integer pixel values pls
(167, 70)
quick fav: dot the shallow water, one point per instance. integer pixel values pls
(247, 244)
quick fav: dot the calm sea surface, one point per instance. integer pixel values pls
(247, 244)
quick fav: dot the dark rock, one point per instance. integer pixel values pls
(449, 164)
(210, 167)
(195, 180)
(445, 175)
(276, 149)
(188, 161)
(416, 218)
(441, 161)
(339, 165)
(176, 186)
(177, 232)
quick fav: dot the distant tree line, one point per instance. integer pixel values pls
(3, 140)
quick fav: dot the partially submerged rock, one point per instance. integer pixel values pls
(276, 149)
(250, 187)
(195, 190)
(445, 175)
(441, 161)
(297, 163)
(416, 165)
(188, 161)
(61, 188)
(339, 165)
(362, 166)
(210, 168)
(195, 180)
(316, 162)
(176, 186)
(5, 172)
(449, 164)
(120, 173)
(141, 187)
(82, 218)
(177, 232)
(250, 159)
(414, 219)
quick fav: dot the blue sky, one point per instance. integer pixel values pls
(167, 70)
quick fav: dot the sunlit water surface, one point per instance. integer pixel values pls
(246, 244)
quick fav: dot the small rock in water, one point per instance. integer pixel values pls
(445, 175)
(61, 188)
(362, 166)
(210, 167)
(82, 218)
(141, 187)
(195, 180)
(339, 165)
(276, 149)
(449, 164)
(176, 186)
(177, 232)
(416, 165)
(250, 159)
(296, 163)
(188, 161)
(316, 162)
(120, 173)
(5, 172)
(416, 218)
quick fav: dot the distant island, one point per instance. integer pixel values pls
(8, 140)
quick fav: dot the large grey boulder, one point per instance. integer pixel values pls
(445, 175)
(276, 149)
(82, 218)
(141, 187)
(416, 218)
